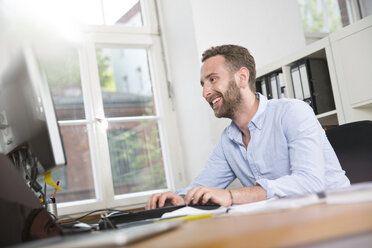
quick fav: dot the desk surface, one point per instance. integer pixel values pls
(291, 227)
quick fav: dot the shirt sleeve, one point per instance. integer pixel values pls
(305, 138)
(217, 172)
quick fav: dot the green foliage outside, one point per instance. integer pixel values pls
(334, 15)
(106, 75)
(139, 165)
(62, 72)
(65, 71)
(314, 13)
(136, 158)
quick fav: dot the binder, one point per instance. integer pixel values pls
(282, 86)
(312, 84)
(305, 84)
(321, 86)
(264, 87)
(261, 86)
(296, 81)
(274, 86)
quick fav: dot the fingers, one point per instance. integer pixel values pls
(159, 200)
(198, 194)
(163, 197)
(190, 195)
(152, 202)
(195, 195)
(206, 197)
(208, 194)
(177, 201)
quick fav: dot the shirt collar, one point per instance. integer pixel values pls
(259, 116)
(257, 120)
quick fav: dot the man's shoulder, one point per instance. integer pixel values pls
(288, 110)
(284, 101)
(284, 104)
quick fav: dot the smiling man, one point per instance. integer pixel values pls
(274, 147)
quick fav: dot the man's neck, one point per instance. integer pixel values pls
(245, 113)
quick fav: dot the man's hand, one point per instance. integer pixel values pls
(163, 199)
(208, 194)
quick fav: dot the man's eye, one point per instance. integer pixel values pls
(212, 80)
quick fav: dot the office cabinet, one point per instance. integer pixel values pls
(317, 51)
(352, 52)
(347, 54)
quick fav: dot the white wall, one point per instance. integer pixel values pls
(270, 29)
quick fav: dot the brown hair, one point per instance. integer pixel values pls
(236, 58)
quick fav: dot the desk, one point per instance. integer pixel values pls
(291, 227)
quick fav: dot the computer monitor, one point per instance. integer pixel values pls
(28, 125)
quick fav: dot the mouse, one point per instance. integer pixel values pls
(81, 226)
(75, 227)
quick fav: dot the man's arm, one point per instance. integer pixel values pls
(305, 139)
(216, 173)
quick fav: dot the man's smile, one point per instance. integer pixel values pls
(214, 101)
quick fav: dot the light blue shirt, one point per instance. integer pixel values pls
(288, 153)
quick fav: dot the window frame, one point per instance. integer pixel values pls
(147, 37)
(354, 14)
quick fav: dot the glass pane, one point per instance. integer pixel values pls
(320, 15)
(83, 11)
(76, 178)
(136, 157)
(119, 12)
(63, 74)
(125, 82)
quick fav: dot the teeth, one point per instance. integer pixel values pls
(215, 100)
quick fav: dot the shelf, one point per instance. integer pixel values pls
(364, 104)
(328, 118)
(348, 55)
(315, 50)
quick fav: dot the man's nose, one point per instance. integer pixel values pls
(207, 90)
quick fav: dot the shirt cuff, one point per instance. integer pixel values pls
(271, 189)
(264, 183)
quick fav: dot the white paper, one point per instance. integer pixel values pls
(276, 204)
(194, 211)
(360, 192)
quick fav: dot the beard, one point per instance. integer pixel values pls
(231, 101)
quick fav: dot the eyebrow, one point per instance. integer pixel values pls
(208, 76)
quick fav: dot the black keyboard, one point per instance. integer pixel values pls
(124, 219)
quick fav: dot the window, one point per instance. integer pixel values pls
(114, 111)
(320, 15)
(331, 15)
(62, 71)
(135, 150)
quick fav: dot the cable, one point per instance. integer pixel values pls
(92, 212)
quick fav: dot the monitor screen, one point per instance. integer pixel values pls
(27, 115)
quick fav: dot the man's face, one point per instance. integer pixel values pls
(219, 87)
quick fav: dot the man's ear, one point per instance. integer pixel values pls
(242, 77)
